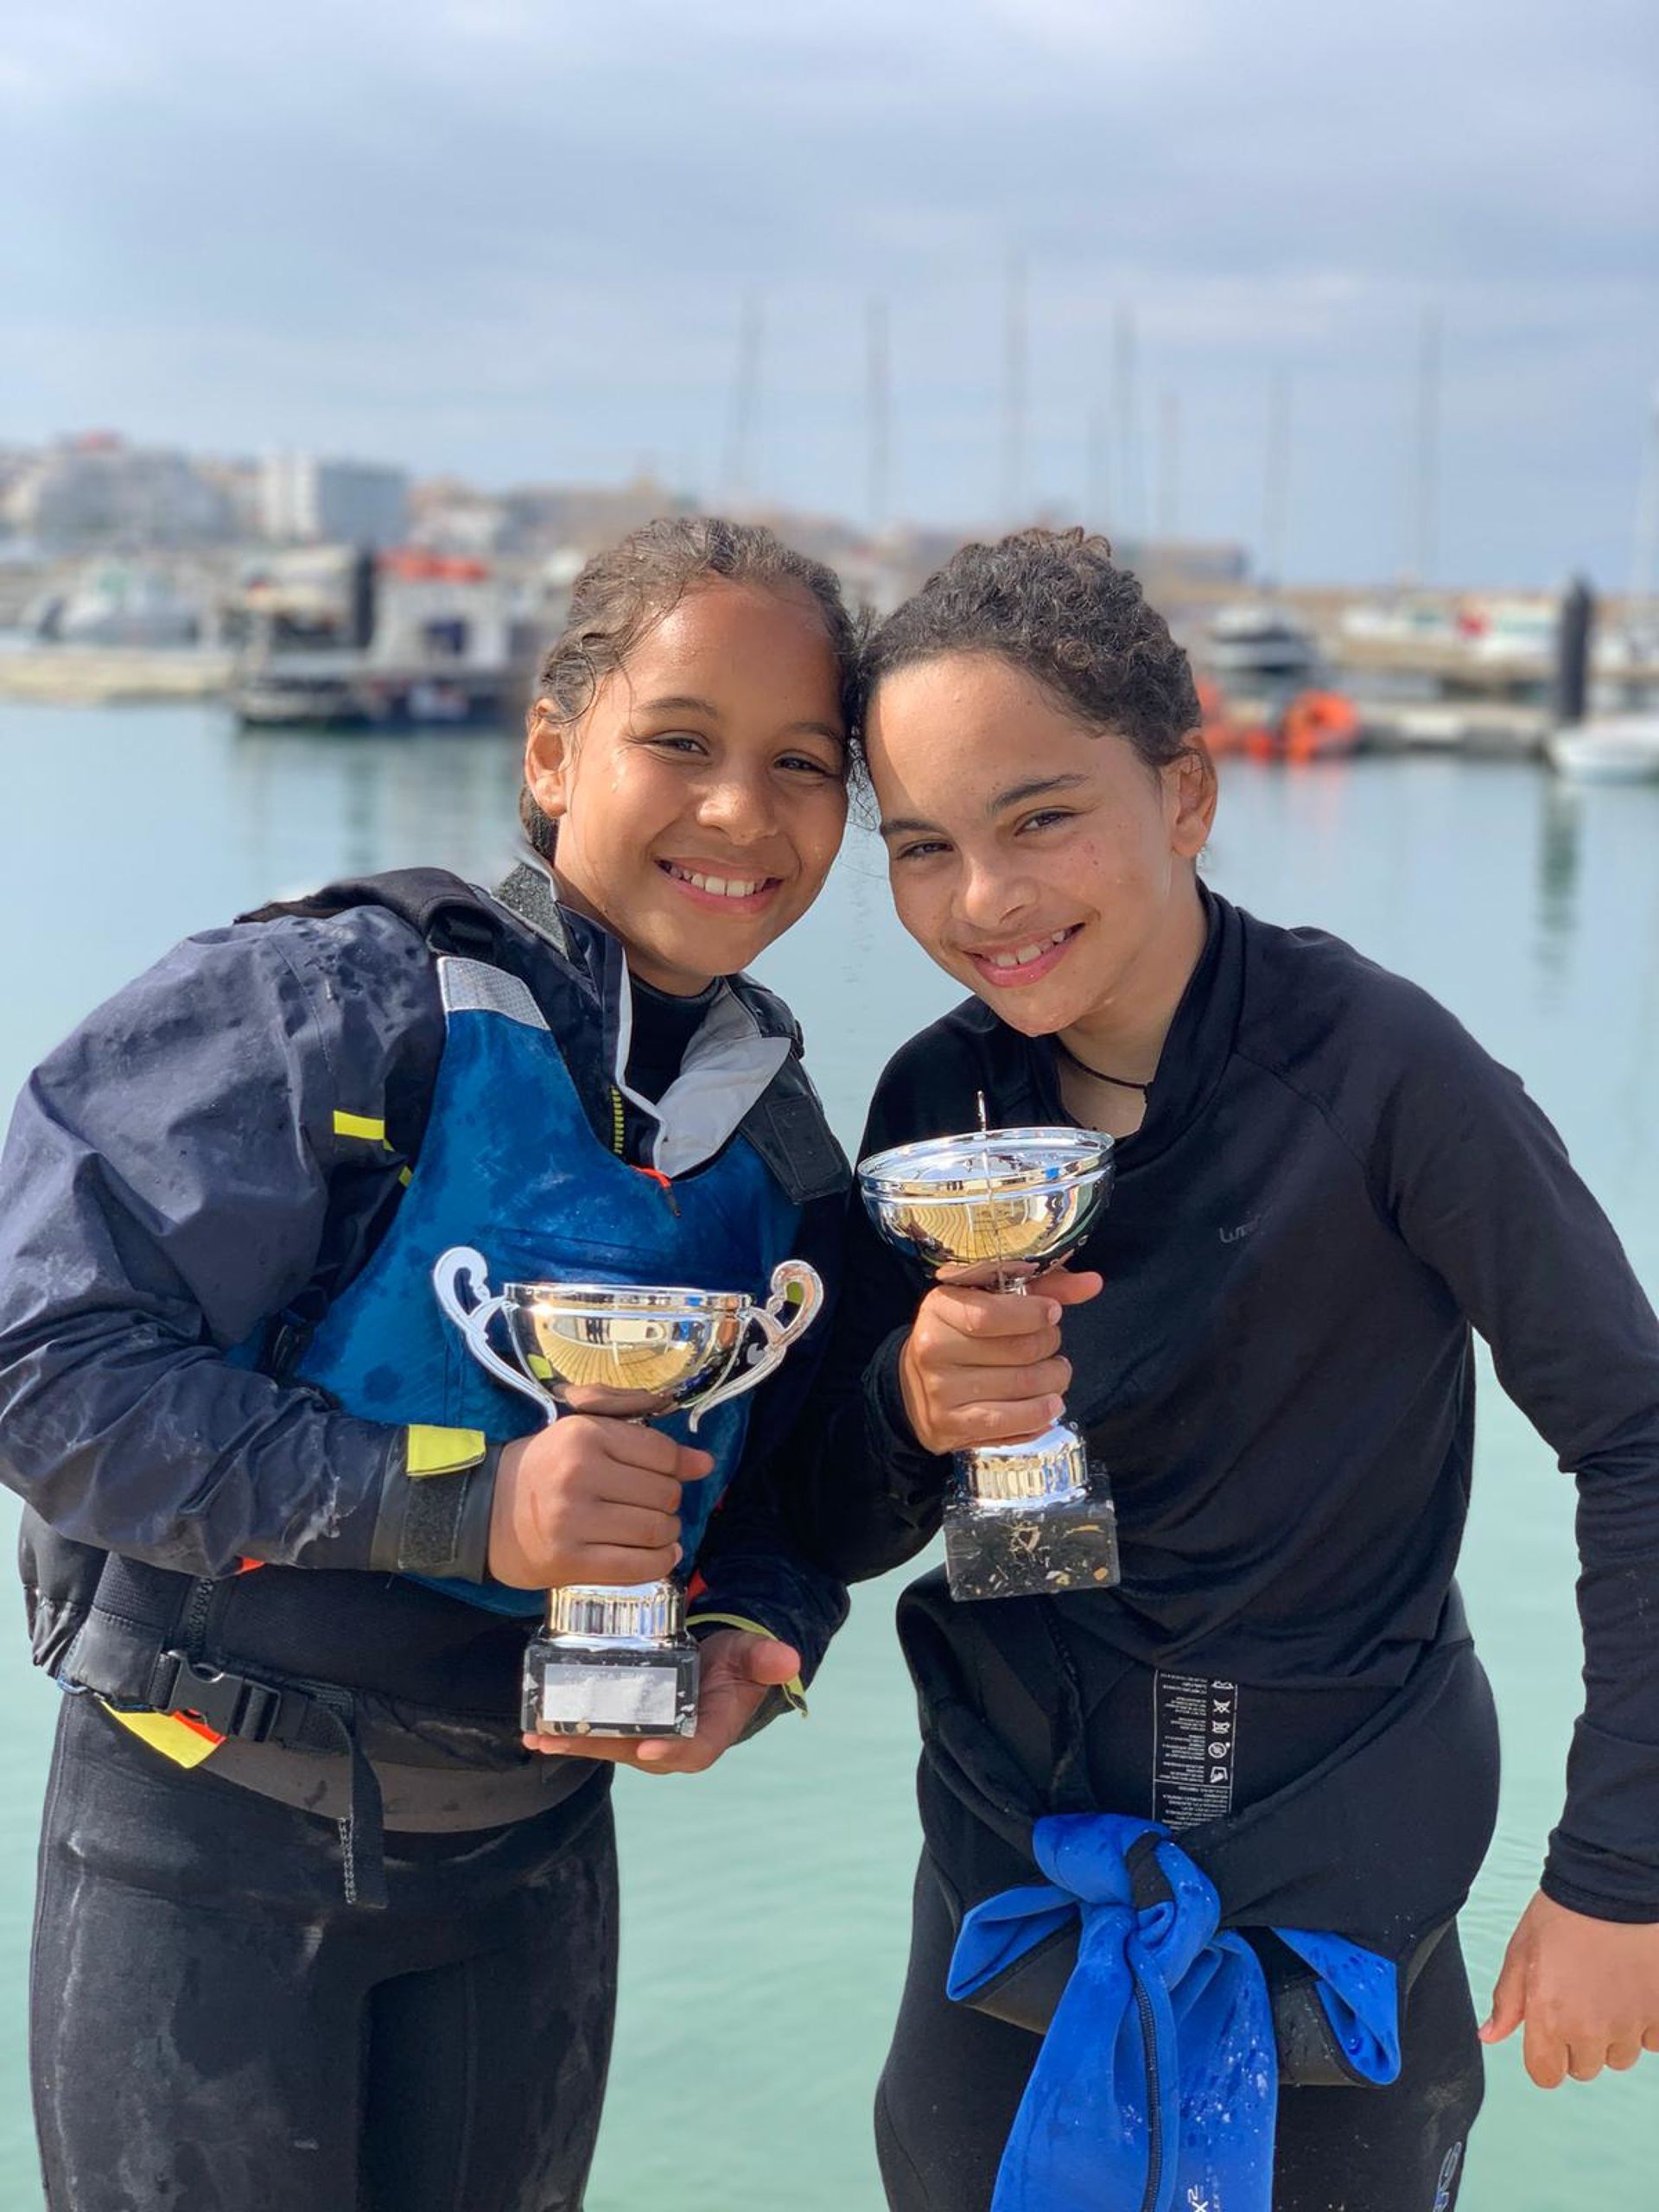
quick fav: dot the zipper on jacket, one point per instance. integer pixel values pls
(652, 1174)
(1154, 2109)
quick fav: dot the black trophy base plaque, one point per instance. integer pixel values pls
(1043, 1547)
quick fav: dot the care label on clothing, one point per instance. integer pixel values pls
(1195, 1724)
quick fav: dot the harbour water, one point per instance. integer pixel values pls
(766, 1904)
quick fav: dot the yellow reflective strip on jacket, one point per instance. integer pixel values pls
(170, 1734)
(794, 1689)
(360, 1125)
(442, 1450)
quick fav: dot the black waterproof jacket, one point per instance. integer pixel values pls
(210, 1157)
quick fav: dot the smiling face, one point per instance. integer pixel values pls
(701, 797)
(1040, 863)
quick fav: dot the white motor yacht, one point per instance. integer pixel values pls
(1255, 642)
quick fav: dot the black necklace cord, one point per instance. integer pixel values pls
(1123, 1082)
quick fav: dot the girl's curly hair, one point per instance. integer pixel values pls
(1055, 604)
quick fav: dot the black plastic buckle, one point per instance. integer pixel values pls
(230, 1705)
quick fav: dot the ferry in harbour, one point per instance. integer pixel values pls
(391, 641)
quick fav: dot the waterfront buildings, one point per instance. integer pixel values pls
(306, 500)
(95, 491)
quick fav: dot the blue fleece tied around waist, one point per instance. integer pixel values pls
(1157, 2084)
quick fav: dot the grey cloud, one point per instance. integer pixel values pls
(515, 239)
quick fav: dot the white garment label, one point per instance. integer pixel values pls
(610, 1697)
(1195, 1735)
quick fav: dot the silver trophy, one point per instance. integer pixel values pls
(613, 1660)
(988, 1210)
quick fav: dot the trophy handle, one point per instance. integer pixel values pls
(777, 1334)
(461, 1272)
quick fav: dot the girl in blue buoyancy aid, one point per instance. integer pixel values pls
(314, 1926)
(1185, 1925)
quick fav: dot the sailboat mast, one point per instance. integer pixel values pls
(879, 406)
(746, 402)
(1014, 394)
(1645, 539)
(1131, 484)
(1275, 509)
(1426, 520)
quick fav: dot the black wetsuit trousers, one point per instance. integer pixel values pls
(954, 2079)
(213, 2029)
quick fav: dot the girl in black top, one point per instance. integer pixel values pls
(1323, 1184)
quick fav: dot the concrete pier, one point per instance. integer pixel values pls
(112, 675)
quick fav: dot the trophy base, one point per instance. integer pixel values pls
(578, 1687)
(1030, 1547)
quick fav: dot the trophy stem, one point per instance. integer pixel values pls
(1005, 1537)
(1038, 1471)
(639, 1612)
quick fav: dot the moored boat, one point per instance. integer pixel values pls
(1607, 749)
(1315, 725)
(392, 641)
(1261, 645)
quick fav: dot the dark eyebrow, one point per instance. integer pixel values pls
(1038, 787)
(903, 825)
(679, 706)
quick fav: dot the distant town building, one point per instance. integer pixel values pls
(449, 516)
(1191, 559)
(554, 518)
(305, 500)
(241, 483)
(97, 491)
(17, 463)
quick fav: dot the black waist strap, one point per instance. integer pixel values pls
(133, 1649)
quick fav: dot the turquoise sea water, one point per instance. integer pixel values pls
(752, 2031)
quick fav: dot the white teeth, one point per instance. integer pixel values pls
(1027, 953)
(722, 887)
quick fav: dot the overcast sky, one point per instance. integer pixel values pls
(514, 239)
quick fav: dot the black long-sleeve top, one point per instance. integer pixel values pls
(1333, 1185)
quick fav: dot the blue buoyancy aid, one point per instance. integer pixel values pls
(509, 1164)
(1156, 2085)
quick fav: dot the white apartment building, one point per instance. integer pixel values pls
(305, 500)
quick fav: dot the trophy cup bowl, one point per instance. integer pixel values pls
(616, 1660)
(633, 1353)
(990, 1209)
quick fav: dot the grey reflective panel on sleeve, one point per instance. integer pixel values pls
(475, 987)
